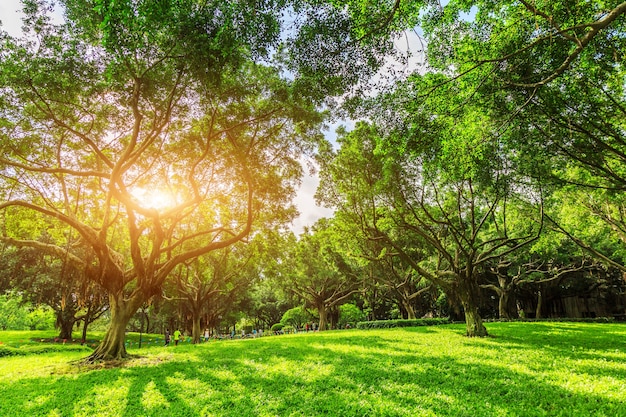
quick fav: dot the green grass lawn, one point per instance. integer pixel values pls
(524, 369)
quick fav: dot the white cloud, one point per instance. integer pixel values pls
(11, 16)
(10, 11)
(310, 212)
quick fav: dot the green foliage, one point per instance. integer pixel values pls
(41, 318)
(13, 314)
(295, 317)
(350, 314)
(386, 324)
(529, 369)
(277, 327)
(16, 314)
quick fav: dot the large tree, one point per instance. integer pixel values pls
(438, 200)
(553, 73)
(132, 117)
(210, 285)
(320, 273)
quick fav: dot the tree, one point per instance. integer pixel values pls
(210, 284)
(125, 121)
(296, 317)
(320, 274)
(552, 72)
(431, 190)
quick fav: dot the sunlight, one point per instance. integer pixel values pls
(153, 198)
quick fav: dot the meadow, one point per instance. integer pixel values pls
(523, 369)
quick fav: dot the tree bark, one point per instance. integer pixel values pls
(538, 311)
(112, 346)
(468, 293)
(65, 322)
(410, 311)
(195, 330)
(503, 305)
(323, 317)
(84, 337)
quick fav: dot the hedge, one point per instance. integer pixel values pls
(558, 320)
(385, 324)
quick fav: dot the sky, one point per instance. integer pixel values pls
(310, 212)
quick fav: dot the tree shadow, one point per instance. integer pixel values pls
(329, 374)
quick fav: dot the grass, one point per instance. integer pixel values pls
(524, 369)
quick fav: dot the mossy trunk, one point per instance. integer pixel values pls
(112, 346)
(473, 322)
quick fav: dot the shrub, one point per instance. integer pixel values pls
(41, 318)
(277, 327)
(289, 329)
(295, 317)
(350, 314)
(385, 324)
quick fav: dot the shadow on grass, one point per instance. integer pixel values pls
(389, 373)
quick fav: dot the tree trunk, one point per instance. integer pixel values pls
(410, 311)
(323, 317)
(538, 311)
(195, 331)
(83, 340)
(468, 293)
(503, 305)
(65, 322)
(112, 346)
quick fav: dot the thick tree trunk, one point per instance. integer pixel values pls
(323, 317)
(112, 346)
(195, 331)
(503, 305)
(473, 322)
(410, 311)
(468, 293)
(65, 324)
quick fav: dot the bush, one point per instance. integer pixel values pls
(386, 324)
(295, 317)
(41, 318)
(277, 327)
(350, 314)
(13, 312)
(289, 329)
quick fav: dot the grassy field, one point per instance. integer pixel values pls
(524, 369)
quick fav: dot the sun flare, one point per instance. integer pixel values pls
(154, 198)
